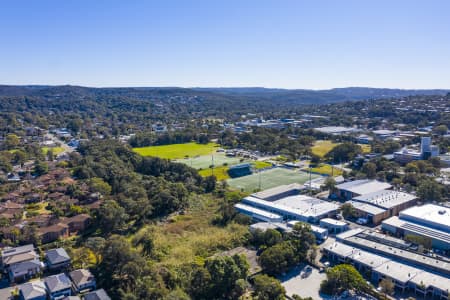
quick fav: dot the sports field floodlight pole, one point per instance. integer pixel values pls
(310, 183)
(259, 179)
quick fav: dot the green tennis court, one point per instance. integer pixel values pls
(205, 161)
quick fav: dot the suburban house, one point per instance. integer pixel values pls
(34, 290)
(41, 220)
(82, 280)
(11, 256)
(10, 209)
(57, 259)
(25, 270)
(58, 286)
(33, 198)
(53, 232)
(10, 232)
(78, 222)
(97, 295)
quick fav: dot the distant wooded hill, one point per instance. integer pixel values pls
(321, 96)
(280, 96)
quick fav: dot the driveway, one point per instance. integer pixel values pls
(305, 287)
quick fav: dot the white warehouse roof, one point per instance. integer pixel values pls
(418, 229)
(332, 222)
(364, 186)
(366, 207)
(428, 214)
(398, 271)
(335, 129)
(389, 267)
(257, 211)
(300, 206)
(385, 198)
(307, 205)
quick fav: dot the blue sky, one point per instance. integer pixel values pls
(280, 43)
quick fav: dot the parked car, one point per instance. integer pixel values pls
(362, 221)
(307, 271)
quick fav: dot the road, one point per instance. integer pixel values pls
(56, 140)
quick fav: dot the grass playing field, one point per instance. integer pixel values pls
(326, 169)
(221, 173)
(321, 148)
(177, 151)
(261, 164)
(270, 178)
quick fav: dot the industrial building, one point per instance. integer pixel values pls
(427, 150)
(263, 226)
(429, 221)
(258, 214)
(382, 257)
(240, 170)
(279, 192)
(336, 130)
(333, 226)
(351, 189)
(393, 248)
(404, 276)
(299, 207)
(380, 205)
(320, 233)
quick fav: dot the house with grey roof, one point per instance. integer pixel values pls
(25, 270)
(58, 286)
(82, 280)
(10, 256)
(57, 259)
(34, 290)
(7, 293)
(71, 298)
(97, 295)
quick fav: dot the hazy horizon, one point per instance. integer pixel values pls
(216, 87)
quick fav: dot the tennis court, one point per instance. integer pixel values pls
(205, 161)
(268, 179)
